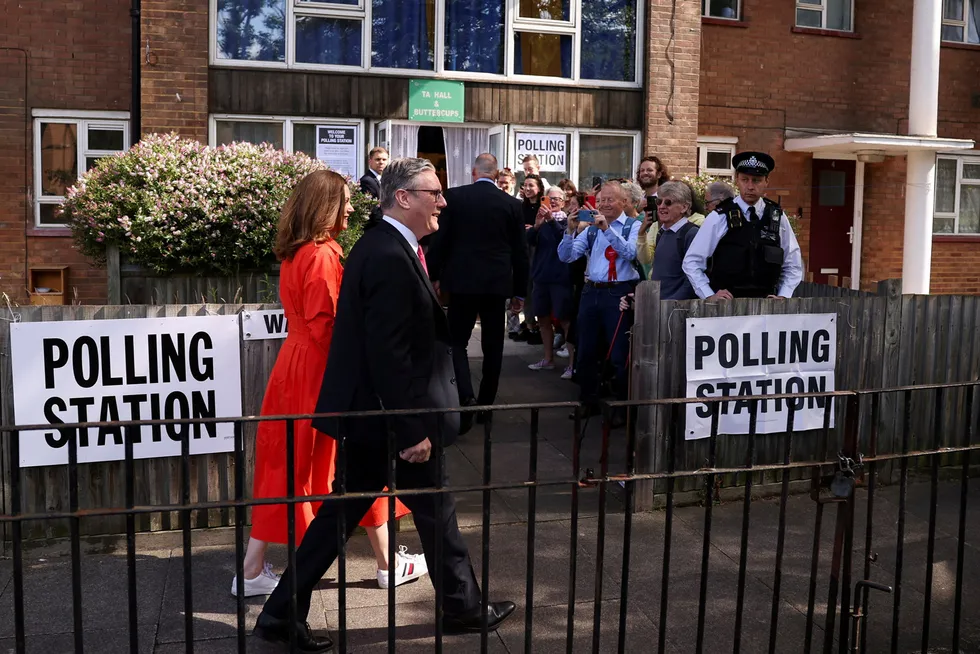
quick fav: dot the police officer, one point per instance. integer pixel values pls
(746, 247)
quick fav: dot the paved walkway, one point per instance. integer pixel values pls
(160, 566)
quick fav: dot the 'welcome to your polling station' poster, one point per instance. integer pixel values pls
(140, 369)
(745, 357)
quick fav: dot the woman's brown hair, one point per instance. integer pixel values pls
(314, 212)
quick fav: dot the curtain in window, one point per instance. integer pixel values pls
(404, 34)
(404, 141)
(609, 40)
(475, 36)
(548, 55)
(463, 145)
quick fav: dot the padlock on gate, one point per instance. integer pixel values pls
(843, 483)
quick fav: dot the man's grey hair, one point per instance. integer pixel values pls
(677, 191)
(401, 174)
(486, 166)
(634, 193)
(719, 191)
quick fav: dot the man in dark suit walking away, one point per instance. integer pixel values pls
(479, 259)
(371, 180)
(390, 351)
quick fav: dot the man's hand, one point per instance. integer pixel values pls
(543, 215)
(648, 219)
(775, 297)
(720, 295)
(601, 222)
(435, 287)
(516, 304)
(625, 302)
(417, 453)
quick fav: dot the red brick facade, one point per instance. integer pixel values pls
(752, 79)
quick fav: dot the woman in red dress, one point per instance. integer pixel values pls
(309, 284)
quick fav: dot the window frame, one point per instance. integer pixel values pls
(83, 121)
(706, 4)
(512, 24)
(288, 122)
(706, 144)
(809, 6)
(960, 160)
(574, 134)
(963, 23)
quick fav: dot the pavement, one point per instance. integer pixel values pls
(160, 565)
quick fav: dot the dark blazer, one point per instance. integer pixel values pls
(390, 347)
(370, 184)
(480, 246)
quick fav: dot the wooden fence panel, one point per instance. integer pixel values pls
(157, 481)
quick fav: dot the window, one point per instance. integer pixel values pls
(579, 155)
(957, 208)
(546, 40)
(960, 20)
(825, 14)
(715, 155)
(342, 148)
(720, 9)
(65, 147)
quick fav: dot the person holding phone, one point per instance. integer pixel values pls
(532, 191)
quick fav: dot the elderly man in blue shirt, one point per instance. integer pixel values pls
(610, 246)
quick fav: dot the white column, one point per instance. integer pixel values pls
(857, 227)
(919, 201)
(920, 172)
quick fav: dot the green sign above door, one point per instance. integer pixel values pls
(435, 101)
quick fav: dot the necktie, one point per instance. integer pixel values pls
(752, 214)
(422, 259)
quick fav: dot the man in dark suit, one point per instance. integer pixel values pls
(390, 350)
(371, 180)
(478, 257)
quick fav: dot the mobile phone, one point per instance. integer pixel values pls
(596, 181)
(587, 215)
(651, 203)
(590, 200)
(546, 202)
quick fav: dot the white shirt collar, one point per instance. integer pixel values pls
(760, 205)
(375, 173)
(487, 179)
(413, 242)
(676, 226)
(622, 218)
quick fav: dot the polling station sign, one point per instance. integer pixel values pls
(750, 357)
(264, 325)
(115, 370)
(550, 149)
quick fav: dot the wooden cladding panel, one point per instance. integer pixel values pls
(289, 93)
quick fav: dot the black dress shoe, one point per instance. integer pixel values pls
(534, 338)
(466, 417)
(275, 630)
(472, 621)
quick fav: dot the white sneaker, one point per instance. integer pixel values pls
(563, 352)
(568, 373)
(541, 365)
(264, 584)
(407, 567)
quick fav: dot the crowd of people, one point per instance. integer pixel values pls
(389, 330)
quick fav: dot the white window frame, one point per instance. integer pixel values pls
(512, 23)
(706, 144)
(706, 4)
(963, 22)
(574, 134)
(83, 120)
(960, 182)
(823, 15)
(287, 123)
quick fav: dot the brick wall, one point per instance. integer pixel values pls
(70, 65)
(673, 63)
(176, 32)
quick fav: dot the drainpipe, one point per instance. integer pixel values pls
(921, 167)
(135, 113)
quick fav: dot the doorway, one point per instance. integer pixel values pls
(432, 146)
(831, 219)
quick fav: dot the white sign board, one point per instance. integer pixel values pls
(108, 370)
(336, 146)
(264, 325)
(550, 149)
(754, 356)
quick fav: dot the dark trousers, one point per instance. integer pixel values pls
(367, 472)
(463, 310)
(599, 323)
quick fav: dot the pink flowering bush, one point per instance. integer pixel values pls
(176, 206)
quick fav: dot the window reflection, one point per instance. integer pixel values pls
(59, 157)
(608, 157)
(404, 34)
(253, 30)
(475, 36)
(543, 55)
(328, 41)
(608, 40)
(546, 9)
(227, 131)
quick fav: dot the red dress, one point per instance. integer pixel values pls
(309, 284)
